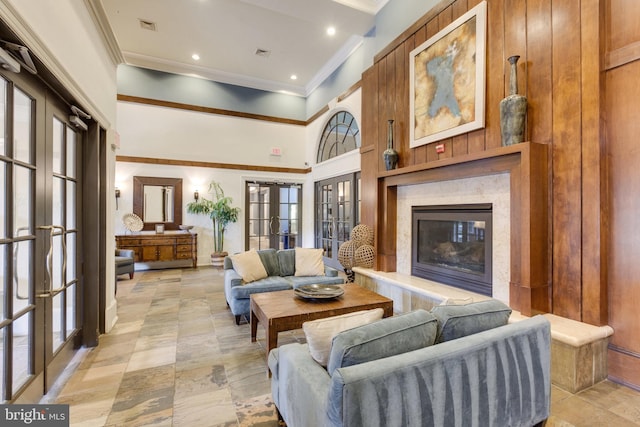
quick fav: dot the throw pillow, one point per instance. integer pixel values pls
(269, 259)
(249, 266)
(287, 262)
(384, 338)
(319, 333)
(456, 321)
(309, 262)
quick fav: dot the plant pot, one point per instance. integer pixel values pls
(217, 259)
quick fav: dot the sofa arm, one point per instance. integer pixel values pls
(330, 271)
(128, 253)
(231, 280)
(301, 384)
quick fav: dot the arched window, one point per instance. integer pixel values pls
(340, 135)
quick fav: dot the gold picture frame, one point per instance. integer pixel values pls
(447, 80)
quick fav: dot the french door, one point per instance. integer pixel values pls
(337, 212)
(39, 242)
(274, 215)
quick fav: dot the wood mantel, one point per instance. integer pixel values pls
(527, 165)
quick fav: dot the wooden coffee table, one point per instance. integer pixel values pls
(282, 311)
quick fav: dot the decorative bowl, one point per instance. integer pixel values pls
(317, 292)
(185, 227)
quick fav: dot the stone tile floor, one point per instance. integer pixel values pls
(176, 358)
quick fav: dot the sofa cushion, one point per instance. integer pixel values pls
(268, 284)
(384, 338)
(269, 258)
(319, 333)
(249, 265)
(455, 321)
(309, 262)
(287, 262)
(297, 281)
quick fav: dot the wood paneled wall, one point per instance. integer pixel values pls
(622, 64)
(560, 43)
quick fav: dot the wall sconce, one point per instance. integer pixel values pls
(196, 195)
(117, 196)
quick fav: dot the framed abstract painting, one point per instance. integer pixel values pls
(447, 80)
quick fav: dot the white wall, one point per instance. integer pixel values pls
(169, 133)
(232, 181)
(166, 133)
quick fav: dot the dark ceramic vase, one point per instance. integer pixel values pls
(390, 155)
(513, 109)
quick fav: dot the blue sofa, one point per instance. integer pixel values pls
(471, 374)
(280, 266)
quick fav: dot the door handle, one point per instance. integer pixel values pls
(15, 267)
(277, 233)
(332, 228)
(52, 233)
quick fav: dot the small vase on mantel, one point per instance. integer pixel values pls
(513, 109)
(390, 155)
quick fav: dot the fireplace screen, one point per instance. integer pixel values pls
(452, 245)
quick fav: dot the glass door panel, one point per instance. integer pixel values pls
(336, 211)
(324, 239)
(60, 294)
(273, 218)
(22, 127)
(258, 216)
(288, 217)
(22, 348)
(39, 155)
(19, 284)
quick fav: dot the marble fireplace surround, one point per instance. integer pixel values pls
(519, 176)
(492, 189)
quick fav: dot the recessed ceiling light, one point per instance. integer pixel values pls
(331, 31)
(294, 77)
(195, 57)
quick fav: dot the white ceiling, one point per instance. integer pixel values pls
(227, 33)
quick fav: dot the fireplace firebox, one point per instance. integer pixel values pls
(452, 244)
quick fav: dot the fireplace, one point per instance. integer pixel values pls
(452, 244)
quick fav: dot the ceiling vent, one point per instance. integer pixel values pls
(147, 25)
(263, 52)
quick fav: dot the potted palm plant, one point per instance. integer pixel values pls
(221, 212)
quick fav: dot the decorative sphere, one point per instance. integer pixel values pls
(365, 255)
(362, 234)
(346, 253)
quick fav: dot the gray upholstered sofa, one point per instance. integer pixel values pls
(382, 375)
(281, 268)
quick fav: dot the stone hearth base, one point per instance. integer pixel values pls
(578, 350)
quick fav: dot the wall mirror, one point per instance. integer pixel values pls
(158, 201)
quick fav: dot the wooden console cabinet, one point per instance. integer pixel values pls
(161, 247)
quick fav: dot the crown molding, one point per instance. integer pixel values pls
(352, 44)
(99, 17)
(368, 6)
